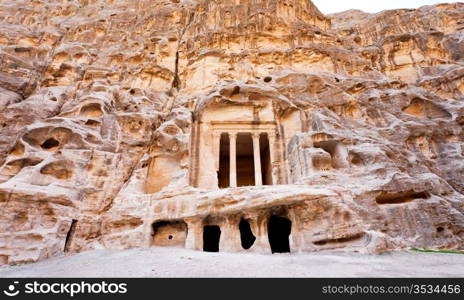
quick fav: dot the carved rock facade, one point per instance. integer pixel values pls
(233, 125)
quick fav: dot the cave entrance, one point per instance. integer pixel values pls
(224, 162)
(211, 238)
(245, 162)
(70, 235)
(246, 235)
(279, 229)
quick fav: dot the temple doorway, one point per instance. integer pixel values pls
(224, 162)
(245, 162)
(211, 238)
(279, 229)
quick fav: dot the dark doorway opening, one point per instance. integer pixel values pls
(245, 160)
(70, 235)
(211, 238)
(279, 229)
(266, 169)
(246, 235)
(224, 162)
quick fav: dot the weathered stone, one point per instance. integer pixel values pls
(259, 126)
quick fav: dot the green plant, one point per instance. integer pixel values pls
(437, 251)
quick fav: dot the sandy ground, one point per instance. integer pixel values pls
(168, 262)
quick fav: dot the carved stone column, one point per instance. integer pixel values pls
(216, 148)
(258, 223)
(194, 238)
(230, 235)
(257, 159)
(233, 159)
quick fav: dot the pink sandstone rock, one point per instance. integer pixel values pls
(229, 125)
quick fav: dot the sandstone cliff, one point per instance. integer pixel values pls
(117, 123)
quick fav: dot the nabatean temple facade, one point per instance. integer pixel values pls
(229, 125)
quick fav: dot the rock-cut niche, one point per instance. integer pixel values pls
(169, 233)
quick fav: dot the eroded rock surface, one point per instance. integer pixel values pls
(118, 123)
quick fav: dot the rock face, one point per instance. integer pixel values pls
(229, 125)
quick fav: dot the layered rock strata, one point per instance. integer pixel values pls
(233, 125)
